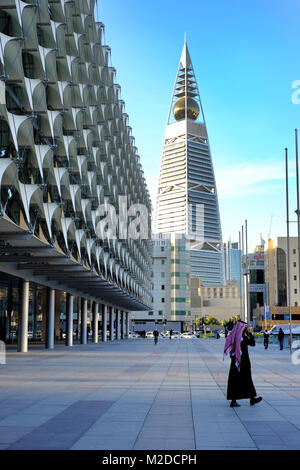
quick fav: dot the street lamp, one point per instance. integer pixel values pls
(288, 279)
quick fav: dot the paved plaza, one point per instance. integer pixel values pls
(132, 395)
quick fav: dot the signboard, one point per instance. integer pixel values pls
(256, 288)
(267, 312)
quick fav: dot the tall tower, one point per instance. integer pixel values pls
(187, 200)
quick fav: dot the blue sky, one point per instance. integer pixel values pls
(246, 55)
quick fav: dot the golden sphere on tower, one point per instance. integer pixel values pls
(192, 109)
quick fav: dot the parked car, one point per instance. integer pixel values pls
(133, 335)
(188, 335)
(175, 334)
(149, 334)
(164, 334)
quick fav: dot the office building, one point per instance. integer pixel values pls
(187, 201)
(67, 156)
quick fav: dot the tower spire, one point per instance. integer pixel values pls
(185, 59)
(185, 102)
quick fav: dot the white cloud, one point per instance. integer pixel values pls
(242, 180)
(238, 180)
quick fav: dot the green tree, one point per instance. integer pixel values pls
(231, 322)
(211, 321)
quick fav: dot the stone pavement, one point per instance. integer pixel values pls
(132, 394)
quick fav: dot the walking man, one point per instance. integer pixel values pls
(266, 338)
(240, 383)
(155, 334)
(280, 338)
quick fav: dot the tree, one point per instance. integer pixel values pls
(211, 321)
(231, 322)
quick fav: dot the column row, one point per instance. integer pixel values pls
(115, 322)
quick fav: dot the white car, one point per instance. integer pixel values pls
(164, 334)
(149, 334)
(188, 335)
(133, 335)
(175, 334)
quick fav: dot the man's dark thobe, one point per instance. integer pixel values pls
(240, 383)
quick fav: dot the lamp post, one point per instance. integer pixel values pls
(288, 247)
(247, 274)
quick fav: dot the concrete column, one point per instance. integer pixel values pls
(117, 324)
(9, 309)
(50, 318)
(111, 324)
(83, 325)
(23, 316)
(104, 322)
(127, 324)
(122, 325)
(58, 294)
(69, 315)
(95, 322)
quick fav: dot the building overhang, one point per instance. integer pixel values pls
(24, 255)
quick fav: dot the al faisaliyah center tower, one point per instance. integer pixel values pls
(187, 200)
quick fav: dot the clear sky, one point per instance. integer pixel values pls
(246, 55)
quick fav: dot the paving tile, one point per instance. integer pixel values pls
(10, 434)
(115, 428)
(23, 420)
(150, 444)
(70, 423)
(103, 443)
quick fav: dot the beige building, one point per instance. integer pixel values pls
(276, 272)
(221, 302)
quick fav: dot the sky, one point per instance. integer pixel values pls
(246, 57)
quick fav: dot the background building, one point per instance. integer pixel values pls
(220, 302)
(276, 272)
(170, 284)
(233, 263)
(187, 200)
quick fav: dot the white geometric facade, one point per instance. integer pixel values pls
(66, 148)
(187, 200)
